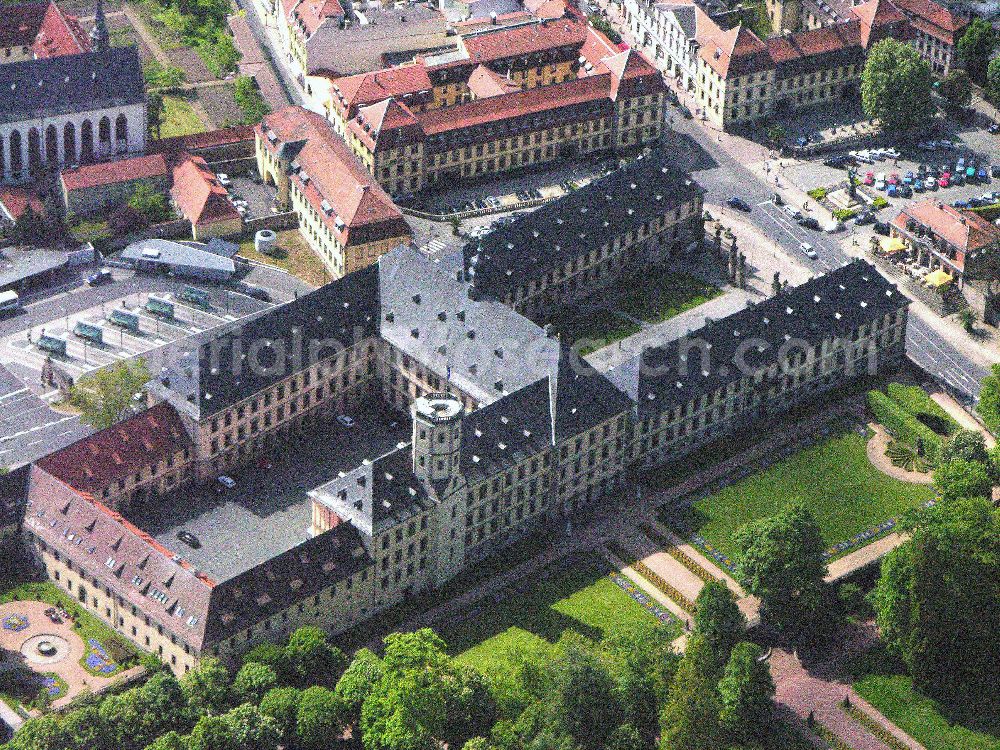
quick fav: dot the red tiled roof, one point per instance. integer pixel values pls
(934, 19)
(547, 8)
(313, 13)
(124, 558)
(359, 208)
(966, 230)
(112, 172)
(596, 47)
(199, 195)
(500, 43)
(481, 111)
(60, 34)
(824, 40)
(91, 464)
(208, 139)
(350, 92)
(16, 199)
(387, 115)
(735, 52)
(875, 15)
(484, 83)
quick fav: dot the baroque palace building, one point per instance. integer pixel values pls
(511, 432)
(511, 97)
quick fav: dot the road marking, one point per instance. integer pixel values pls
(13, 393)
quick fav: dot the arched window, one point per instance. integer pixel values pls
(51, 145)
(34, 149)
(69, 143)
(121, 130)
(16, 158)
(87, 141)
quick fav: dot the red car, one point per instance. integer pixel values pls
(894, 178)
(870, 178)
(943, 182)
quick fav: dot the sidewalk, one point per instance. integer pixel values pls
(255, 63)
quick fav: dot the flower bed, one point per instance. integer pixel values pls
(869, 722)
(15, 623)
(640, 597)
(657, 580)
(97, 660)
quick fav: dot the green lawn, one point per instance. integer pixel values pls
(662, 294)
(293, 254)
(179, 118)
(593, 330)
(833, 478)
(581, 598)
(85, 624)
(920, 717)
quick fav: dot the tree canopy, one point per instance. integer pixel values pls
(975, 48)
(105, 396)
(959, 478)
(896, 86)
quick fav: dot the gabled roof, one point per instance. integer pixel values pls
(965, 230)
(312, 14)
(387, 115)
(13, 495)
(499, 43)
(345, 195)
(934, 19)
(875, 16)
(89, 176)
(71, 84)
(199, 195)
(110, 550)
(583, 396)
(484, 83)
(134, 444)
(59, 34)
(735, 52)
(351, 92)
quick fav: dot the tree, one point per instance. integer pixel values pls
(312, 660)
(969, 445)
(206, 688)
(781, 562)
(29, 228)
(746, 692)
(151, 203)
(270, 654)
(250, 729)
(956, 88)
(105, 396)
(154, 113)
(253, 681)
(718, 620)
(937, 603)
(967, 317)
(282, 705)
(583, 695)
(989, 399)
(690, 718)
(249, 100)
(627, 737)
(169, 741)
(993, 80)
(358, 681)
(975, 48)
(960, 478)
(896, 86)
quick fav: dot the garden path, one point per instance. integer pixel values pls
(876, 454)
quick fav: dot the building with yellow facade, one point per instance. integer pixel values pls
(512, 97)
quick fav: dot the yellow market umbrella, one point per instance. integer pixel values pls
(892, 245)
(937, 278)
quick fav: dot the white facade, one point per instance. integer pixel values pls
(66, 140)
(659, 28)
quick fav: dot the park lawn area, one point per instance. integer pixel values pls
(589, 331)
(920, 717)
(581, 598)
(179, 118)
(85, 624)
(661, 294)
(833, 478)
(292, 254)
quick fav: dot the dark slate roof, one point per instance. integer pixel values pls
(13, 493)
(584, 397)
(507, 431)
(341, 312)
(68, 84)
(834, 304)
(583, 220)
(378, 494)
(278, 583)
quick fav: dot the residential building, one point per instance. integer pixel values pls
(636, 218)
(34, 31)
(344, 215)
(937, 30)
(93, 189)
(512, 98)
(200, 198)
(511, 432)
(958, 241)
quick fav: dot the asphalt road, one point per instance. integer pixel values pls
(723, 177)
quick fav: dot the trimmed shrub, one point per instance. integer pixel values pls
(915, 401)
(844, 214)
(817, 194)
(878, 203)
(904, 427)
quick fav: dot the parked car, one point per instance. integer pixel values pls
(738, 203)
(944, 181)
(908, 178)
(777, 199)
(345, 420)
(880, 185)
(810, 223)
(891, 153)
(918, 185)
(685, 112)
(892, 190)
(103, 276)
(881, 228)
(189, 539)
(224, 179)
(793, 212)
(906, 191)
(808, 250)
(994, 128)
(869, 178)
(865, 217)
(227, 482)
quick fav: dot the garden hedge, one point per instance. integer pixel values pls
(904, 426)
(914, 400)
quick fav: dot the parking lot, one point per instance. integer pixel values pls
(252, 198)
(267, 512)
(122, 328)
